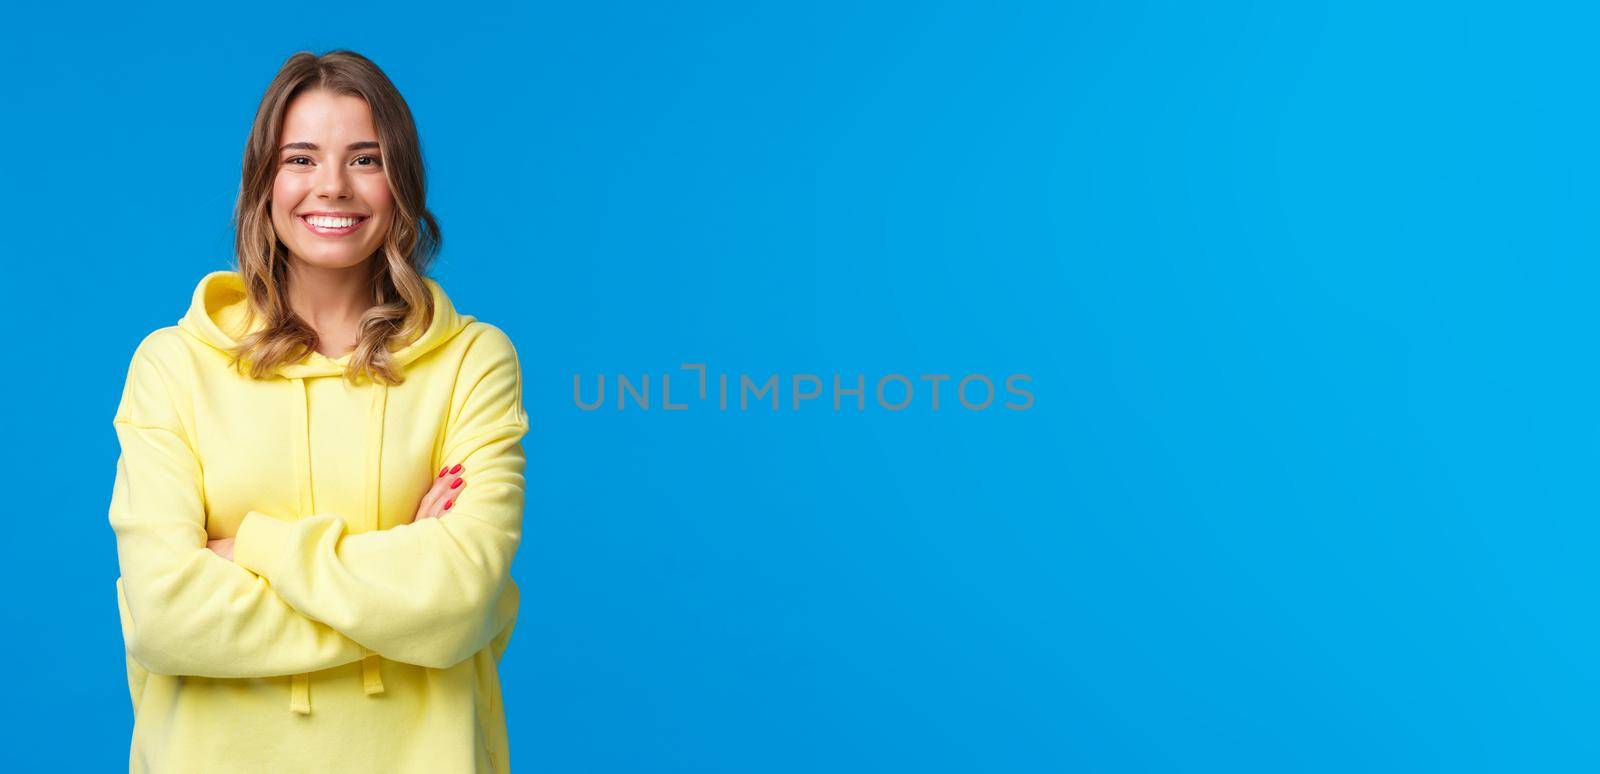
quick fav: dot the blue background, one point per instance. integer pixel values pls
(1306, 295)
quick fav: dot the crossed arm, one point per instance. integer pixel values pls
(430, 593)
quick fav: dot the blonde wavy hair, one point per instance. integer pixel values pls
(403, 305)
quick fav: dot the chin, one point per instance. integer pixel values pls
(339, 260)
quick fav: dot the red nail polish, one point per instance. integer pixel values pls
(443, 471)
(456, 483)
(456, 469)
(448, 504)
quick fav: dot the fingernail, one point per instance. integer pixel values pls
(443, 471)
(456, 469)
(448, 504)
(456, 483)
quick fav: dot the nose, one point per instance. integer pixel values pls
(332, 183)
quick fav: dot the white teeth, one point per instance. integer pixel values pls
(322, 222)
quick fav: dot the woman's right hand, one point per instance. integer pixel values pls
(446, 488)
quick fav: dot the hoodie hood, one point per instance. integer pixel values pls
(217, 316)
(220, 306)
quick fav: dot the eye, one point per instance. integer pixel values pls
(375, 161)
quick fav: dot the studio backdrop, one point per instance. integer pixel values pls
(934, 387)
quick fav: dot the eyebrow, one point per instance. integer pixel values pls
(313, 146)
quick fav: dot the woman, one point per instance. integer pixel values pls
(308, 583)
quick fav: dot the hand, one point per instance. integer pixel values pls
(222, 546)
(446, 488)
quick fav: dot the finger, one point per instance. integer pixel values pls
(450, 498)
(447, 496)
(433, 502)
(437, 489)
(431, 498)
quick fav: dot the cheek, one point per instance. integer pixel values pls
(377, 196)
(286, 194)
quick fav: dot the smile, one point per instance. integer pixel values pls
(332, 227)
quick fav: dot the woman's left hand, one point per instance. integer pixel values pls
(222, 546)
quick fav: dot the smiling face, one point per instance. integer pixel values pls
(331, 203)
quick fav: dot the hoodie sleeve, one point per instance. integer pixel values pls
(185, 610)
(435, 591)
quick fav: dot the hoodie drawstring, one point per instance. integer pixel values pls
(300, 685)
(371, 676)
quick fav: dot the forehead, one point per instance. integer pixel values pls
(324, 114)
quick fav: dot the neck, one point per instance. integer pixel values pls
(330, 300)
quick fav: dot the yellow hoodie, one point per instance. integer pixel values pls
(335, 600)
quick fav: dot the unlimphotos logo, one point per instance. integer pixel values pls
(894, 392)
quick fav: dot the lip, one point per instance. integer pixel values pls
(333, 232)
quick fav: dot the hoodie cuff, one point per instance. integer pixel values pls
(259, 543)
